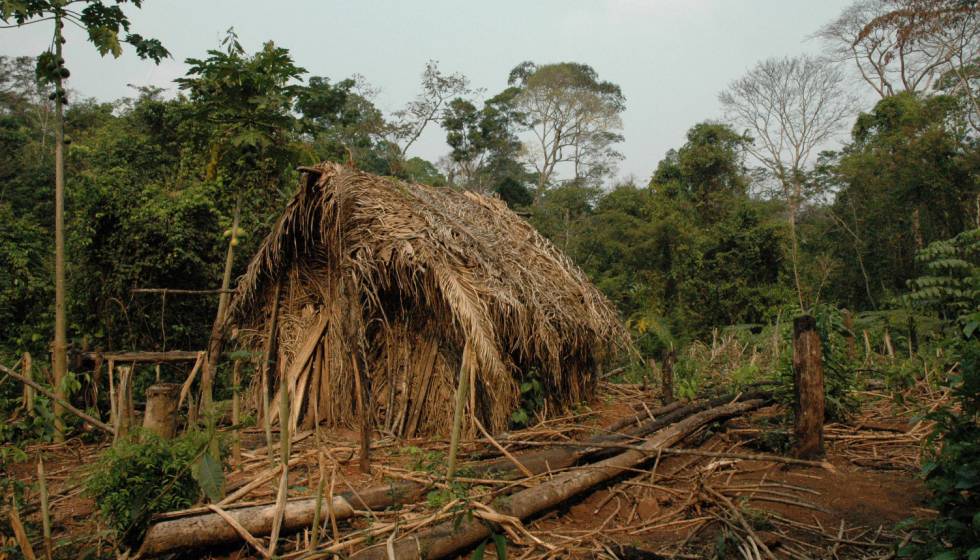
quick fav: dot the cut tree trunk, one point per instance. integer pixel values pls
(452, 536)
(808, 385)
(161, 409)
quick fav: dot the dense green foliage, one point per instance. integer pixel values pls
(145, 474)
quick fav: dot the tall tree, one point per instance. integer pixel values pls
(573, 118)
(104, 22)
(904, 45)
(483, 144)
(790, 107)
(438, 89)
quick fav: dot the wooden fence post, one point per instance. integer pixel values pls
(27, 369)
(849, 337)
(236, 445)
(667, 377)
(913, 337)
(808, 385)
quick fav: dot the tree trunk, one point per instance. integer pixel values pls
(808, 385)
(59, 348)
(161, 409)
(217, 334)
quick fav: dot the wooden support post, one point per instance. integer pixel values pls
(27, 371)
(363, 394)
(808, 385)
(267, 366)
(236, 445)
(667, 377)
(462, 390)
(849, 336)
(123, 401)
(889, 349)
(913, 337)
(161, 409)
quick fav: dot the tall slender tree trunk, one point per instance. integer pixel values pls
(60, 346)
(795, 251)
(217, 334)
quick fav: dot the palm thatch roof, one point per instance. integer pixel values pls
(408, 284)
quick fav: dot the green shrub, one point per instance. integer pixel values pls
(952, 472)
(145, 474)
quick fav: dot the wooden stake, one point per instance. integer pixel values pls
(888, 344)
(667, 377)
(363, 394)
(26, 368)
(45, 509)
(809, 389)
(268, 365)
(913, 337)
(462, 390)
(236, 446)
(849, 336)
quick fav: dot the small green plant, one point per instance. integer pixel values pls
(145, 474)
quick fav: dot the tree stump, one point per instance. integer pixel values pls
(809, 390)
(161, 409)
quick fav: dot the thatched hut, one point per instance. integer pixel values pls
(403, 286)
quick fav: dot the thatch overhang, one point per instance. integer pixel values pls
(411, 283)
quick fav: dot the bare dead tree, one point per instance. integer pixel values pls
(790, 107)
(907, 45)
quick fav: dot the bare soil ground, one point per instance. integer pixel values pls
(674, 507)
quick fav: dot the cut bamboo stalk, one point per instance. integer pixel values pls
(45, 509)
(461, 394)
(284, 460)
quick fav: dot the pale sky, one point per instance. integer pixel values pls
(671, 57)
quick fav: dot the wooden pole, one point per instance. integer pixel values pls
(667, 377)
(809, 389)
(268, 365)
(59, 350)
(363, 394)
(849, 336)
(236, 446)
(913, 337)
(45, 509)
(28, 371)
(461, 396)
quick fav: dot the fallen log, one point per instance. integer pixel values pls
(206, 529)
(199, 531)
(454, 535)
